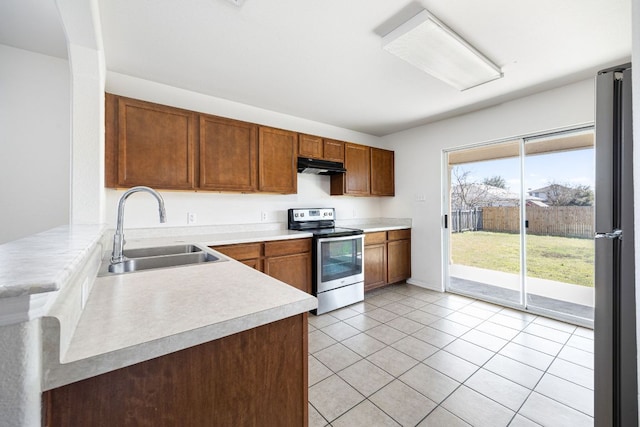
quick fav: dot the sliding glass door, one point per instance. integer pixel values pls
(485, 250)
(560, 216)
(520, 223)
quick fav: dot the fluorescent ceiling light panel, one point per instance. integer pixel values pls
(428, 44)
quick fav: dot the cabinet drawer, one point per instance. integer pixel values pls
(287, 247)
(399, 234)
(241, 251)
(375, 238)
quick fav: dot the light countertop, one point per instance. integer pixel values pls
(43, 262)
(380, 226)
(134, 317)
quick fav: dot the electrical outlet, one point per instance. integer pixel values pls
(263, 216)
(353, 215)
(192, 218)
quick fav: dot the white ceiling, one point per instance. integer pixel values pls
(322, 60)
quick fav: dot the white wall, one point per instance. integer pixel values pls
(215, 208)
(418, 154)
(81, 22)
(34, 143)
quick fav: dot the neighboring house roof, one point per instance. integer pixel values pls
(488, 195)
(535, 201)
(548, 188)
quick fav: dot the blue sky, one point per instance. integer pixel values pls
(572, 167)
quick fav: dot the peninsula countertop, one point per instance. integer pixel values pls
(130, 318)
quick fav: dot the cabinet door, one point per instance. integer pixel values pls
(228, 154)
(247, 253)
(294, 270)
(255, 263)
(398, 260)
(382, 172)
(310, 146)
(355, 181)
(278, 161)
(375, 266)
(333, 150)
(155, 145)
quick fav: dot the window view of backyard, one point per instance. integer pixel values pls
(562, 259)
(556, 249)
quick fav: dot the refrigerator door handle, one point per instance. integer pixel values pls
(615, 234)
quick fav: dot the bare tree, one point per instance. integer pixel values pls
(496, 181)
(557, 194)
(465, 193)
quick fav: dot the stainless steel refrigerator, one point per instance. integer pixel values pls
(616, 385)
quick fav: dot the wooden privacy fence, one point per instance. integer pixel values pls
(466, 220)
(565, 221)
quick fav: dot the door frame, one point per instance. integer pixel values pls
(445, 214)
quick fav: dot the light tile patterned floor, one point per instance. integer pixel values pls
(413, 357)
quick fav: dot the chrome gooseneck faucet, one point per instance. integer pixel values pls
(118, 237)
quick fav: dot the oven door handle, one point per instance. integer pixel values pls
(336, 239)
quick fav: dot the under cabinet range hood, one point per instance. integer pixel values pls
(319, 167)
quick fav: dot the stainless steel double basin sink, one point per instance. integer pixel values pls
(142, 259)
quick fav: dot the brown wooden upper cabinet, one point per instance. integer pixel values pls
(370, 172)
(309, 146)
(149, 144)
(355, 181)
(316, 147)
(174, 149)
(277, 160)
(333, 150)
(228, 154)
(382, 172)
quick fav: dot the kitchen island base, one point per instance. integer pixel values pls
(255, 377)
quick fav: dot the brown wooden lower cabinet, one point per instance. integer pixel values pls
(387, 256)
(250, 254)
(253, 378)
(294, 270)
(398, 260)
(375, 260)
(286, 260)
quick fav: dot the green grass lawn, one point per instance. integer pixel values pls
(564, 259)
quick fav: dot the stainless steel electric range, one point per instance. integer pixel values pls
(338, 262)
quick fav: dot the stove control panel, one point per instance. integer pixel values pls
(318, 214)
